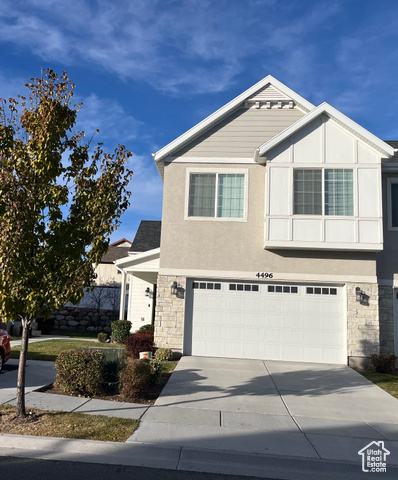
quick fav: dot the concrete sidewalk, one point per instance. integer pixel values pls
(230, 416)
(312, 411)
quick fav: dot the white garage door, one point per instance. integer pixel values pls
(278, 322)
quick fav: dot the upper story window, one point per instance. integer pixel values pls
(219, 195)
(392, 185)
(333, 185)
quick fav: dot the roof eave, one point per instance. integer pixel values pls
(332, 112)
(123, 262)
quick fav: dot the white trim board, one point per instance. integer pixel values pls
(277, 276)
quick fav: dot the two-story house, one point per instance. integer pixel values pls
(279, 234)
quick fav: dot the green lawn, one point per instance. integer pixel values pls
(75, 333)
(168, 367)
(389, 383)
(50, 349)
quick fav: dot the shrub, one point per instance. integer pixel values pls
(156, 370)
(139, 342)
(134, 378)
(102, 337)
(80, 371)
(383, 362)
(120, 330)
(164, 354)
(147, 328)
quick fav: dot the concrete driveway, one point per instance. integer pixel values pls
(316, 411)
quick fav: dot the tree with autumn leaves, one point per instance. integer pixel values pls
(60, 199)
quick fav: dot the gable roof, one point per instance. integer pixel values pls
(114, 253)
(331, 112)
(222, 112)
(147, 236)
(119, 242)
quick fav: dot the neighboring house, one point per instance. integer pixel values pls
(106, 270)
(279, 235)
(107, 286)
(140, 269)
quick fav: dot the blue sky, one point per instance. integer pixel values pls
(148, 70)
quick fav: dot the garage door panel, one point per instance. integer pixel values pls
(291, 321)
(258, 322)
(310, 337)
(330, 338)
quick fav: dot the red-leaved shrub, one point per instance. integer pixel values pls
(141, 341)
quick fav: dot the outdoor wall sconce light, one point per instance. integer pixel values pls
(148, 292)
(175, 288)
(361, 297)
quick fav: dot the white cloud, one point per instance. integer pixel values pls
(195, 46)
(109, 117)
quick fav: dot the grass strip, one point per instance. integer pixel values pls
(66, 425)
(387, 382)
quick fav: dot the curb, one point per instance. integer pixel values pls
(186, 459)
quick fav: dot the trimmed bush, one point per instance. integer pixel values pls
(383, 362)
(164, 354)
(139, 342)
(102, 337)
(156, 370)
(147, 328)
(120, 330)
(134, 378)
(80, 372)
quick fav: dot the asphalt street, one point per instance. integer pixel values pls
(19, 468)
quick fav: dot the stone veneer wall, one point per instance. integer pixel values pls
(363, 328)
(84, 319)
(386, 314)
(169, 315)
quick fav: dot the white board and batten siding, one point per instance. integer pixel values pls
(324, 144)
(260, 322)
(140, 307)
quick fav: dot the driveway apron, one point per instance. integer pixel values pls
(267, 407)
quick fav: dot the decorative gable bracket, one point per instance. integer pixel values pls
(256, 103)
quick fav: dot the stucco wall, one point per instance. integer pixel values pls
(239, 246)
(387, 260)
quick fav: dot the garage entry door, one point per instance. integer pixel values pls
(304, 323)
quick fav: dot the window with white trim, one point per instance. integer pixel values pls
(392, 186)
(323, 192)
(220, 195)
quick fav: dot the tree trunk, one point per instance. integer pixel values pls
(22, 369)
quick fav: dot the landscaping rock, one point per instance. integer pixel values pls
(73, 323)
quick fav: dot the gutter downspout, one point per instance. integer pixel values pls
(123, 296)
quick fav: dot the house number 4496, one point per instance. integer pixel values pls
(264, 275)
